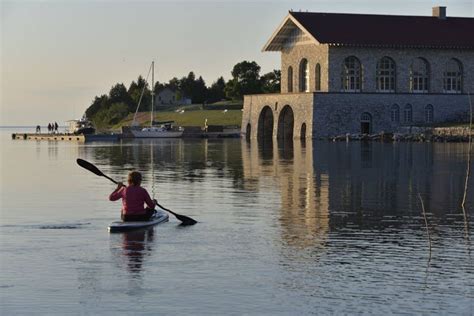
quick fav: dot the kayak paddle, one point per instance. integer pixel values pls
(87, 165)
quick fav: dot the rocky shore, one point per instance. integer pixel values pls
(414, 134)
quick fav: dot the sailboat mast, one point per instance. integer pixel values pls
(152, 90)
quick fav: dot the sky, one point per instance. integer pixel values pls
(56, 56)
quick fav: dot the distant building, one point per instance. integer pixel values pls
(169, 96)
(362, 73)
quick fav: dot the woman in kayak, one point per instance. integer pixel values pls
(134, 197)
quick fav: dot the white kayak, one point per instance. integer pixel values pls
(120, 226)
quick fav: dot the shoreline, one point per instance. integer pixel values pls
(412, 134)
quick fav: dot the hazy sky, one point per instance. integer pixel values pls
(57, 55)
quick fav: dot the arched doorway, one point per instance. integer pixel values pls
(365, 123)
(265, 123)
(248, 132)
(303, 131)
(285, 123)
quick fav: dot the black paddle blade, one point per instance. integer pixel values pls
(185, 220)
(87, 165)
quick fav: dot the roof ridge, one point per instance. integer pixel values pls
(378, 29)
(379, 14)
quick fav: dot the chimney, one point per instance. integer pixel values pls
(439, 12)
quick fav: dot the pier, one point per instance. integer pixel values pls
(189, 132)
(51, 137)
(67, 137)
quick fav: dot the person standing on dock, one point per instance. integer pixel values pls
(38, 129)
(56, 127)
(49, 128)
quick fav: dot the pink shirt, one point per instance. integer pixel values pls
(133, 199)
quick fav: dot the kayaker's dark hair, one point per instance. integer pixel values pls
(135, 178)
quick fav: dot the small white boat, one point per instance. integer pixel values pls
(120, 226)
(163, 131)
(77, 127)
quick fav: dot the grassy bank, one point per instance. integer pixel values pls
(188, 118)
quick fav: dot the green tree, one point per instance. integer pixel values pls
(116, 113)
(245, 80)
(216, 91)
(199, 91)
(135, 91)
(187, 84)
(271, 81)
(109, 116)
(99, 103)
(158, 87)
(119, 94)
(174, 84)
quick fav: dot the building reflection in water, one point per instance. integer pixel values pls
(358, 185)
(304, 212)
(323, 185)
(371, 182)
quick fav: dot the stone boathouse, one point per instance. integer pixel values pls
(362, 73)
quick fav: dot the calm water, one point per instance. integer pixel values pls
(305, 228)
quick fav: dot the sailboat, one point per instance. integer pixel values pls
(165, 130)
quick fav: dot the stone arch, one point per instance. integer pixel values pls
(303, 131)
(286, 123)
(265, 123)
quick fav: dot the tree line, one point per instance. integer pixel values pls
(111, 108)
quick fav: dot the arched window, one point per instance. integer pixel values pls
(453, 76)
(429, 113)
(419, 76)
(317, 77)
(395, 113)
(408, 114)
(351, 74)
(290, 79)
(365, 123)
(304, 76)
(385, 75)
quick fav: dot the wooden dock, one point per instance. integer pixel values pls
(50, 137)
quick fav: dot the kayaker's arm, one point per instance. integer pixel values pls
(117, 194)
(149, 202)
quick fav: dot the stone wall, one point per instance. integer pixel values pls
(292, 56)
(331, 114)
(331, 60)
(340, 113)
(403, 58)
(300, 103)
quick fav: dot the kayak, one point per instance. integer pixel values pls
(158, 218)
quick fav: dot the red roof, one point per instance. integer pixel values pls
(388, 30)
